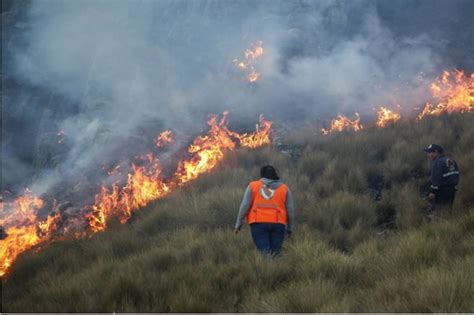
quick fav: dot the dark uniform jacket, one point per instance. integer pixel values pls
(444, 174)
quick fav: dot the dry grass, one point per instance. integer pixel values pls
(361, 243)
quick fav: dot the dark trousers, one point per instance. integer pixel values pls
(445, 196)
(444, 199)
(268, 237)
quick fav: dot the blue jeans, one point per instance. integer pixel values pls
(268, 237)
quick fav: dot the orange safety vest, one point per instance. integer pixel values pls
(268, 205)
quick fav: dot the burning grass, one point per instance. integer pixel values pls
(454, 93)
(386, 116)
(180, 255)
(341, 123)
(23, 228)
(145, 183)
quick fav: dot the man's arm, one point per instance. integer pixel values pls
(244, 208)
(436, 177)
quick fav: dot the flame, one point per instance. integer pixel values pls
(22, 227)
(50, 225)
(206, 151)
(260, 137)
(164, 138)
(255, 52)
(254, 76)
(385, 116)
(454, 92)
(146, 183)
(17, 241)
(251, 55)
(343, 123)
(22, 210)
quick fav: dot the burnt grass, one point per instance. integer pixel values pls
(361, 240)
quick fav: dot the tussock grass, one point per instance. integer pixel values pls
(361, 242)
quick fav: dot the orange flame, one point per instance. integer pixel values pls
(254, 76)
(385, 116)
(17, 241)
(146, 183)
(255, 52)
(164, 138)
(22, 227)
(454, 92)
(260, 137)
(343, 123)
(206, 150)
(251, 56)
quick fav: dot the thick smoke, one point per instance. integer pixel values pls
(112, 74)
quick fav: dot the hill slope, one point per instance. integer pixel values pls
(361, 241)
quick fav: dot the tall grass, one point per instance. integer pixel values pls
(361, 242)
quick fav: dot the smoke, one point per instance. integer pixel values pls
(113, 74)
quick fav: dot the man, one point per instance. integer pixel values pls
(268, 207)
(444, 178)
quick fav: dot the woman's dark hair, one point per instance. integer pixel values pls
(269, 172)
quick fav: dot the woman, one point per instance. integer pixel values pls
(268, 207)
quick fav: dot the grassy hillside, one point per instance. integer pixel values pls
(361, 242)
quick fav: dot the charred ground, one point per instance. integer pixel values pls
(361, 241)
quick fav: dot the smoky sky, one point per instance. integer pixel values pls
(111, 73)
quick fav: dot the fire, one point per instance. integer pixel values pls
(454, 92)
(254, 76)
(255, 52)
(17, 241)
(22, 227)
(146, 182)
(251, 55)
(385, 116)
(343, 123)
(206, 151)
(49, 226)
(258, 138)
(164, 138)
